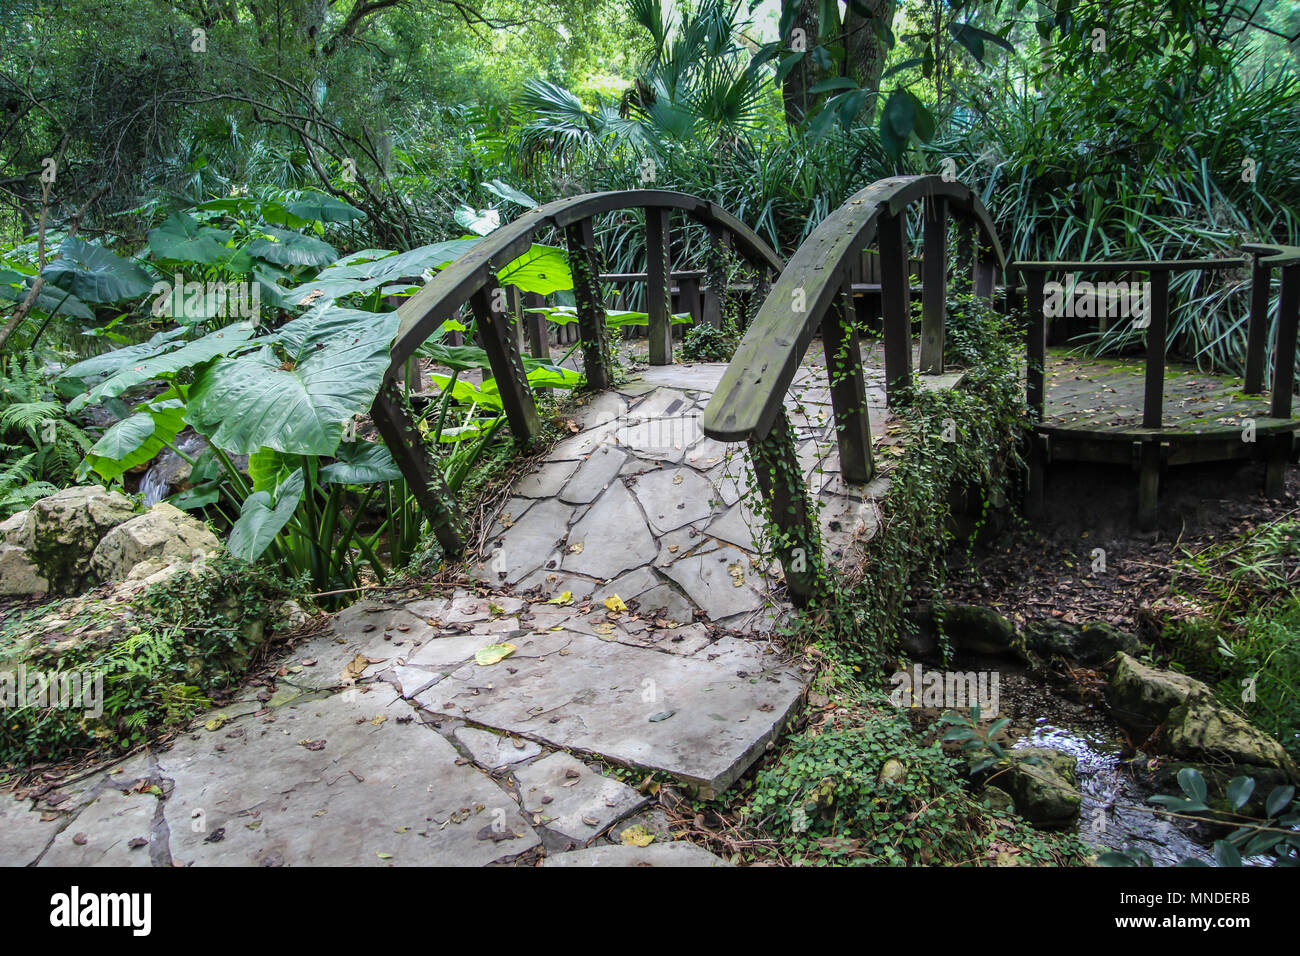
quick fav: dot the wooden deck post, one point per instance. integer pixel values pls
(848, 389)
(584, 263)
(420, 468)
(896, 295)
(1148, 485)
(1154, 400)
(1261, 277)
(795, 532)
(934, 284)
(1288, 317)
(1036, 347)
(500, 343)
(658, 297)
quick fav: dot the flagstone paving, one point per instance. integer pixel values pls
(621, 571)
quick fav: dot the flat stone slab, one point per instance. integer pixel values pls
(703, 718)
(572, 801)
(348, 780)
(677, 853)
(495, 751)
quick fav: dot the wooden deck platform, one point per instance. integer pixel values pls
(1093, 412)
(1101, 399)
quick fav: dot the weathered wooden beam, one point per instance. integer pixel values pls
(934, 284)
(848, 390)
(1157, 332)
(500, 343)
(584, 263)
(1261, 278)
(796, 536)
(1148, 485)
(896, 295)
(1036, 346)
(1288, 318)
(658, 298)
(418, 465)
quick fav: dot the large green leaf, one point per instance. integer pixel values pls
(324, 208)
(15, 286)
(93, 274)
(98, 366)
(542, 269)
(509, 193)
(296, 394)
(137, 439)
(164, 363)
(360, 463)
(479, 221)
(287, 248)
(268, 468)
(364, 271)
(182, 239)
(262, 517)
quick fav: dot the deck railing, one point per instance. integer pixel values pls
(815, 292)
(1263, 260)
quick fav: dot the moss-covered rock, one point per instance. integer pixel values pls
(1091, 644)
(1041, 781)
(1202, 728)
(1142, 697)
(67, 527)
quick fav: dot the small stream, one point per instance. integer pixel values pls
(1114, 813)
(169, 469)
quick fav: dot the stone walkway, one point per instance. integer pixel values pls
(621, 584)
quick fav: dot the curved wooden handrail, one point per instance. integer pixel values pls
(423, 313)
(473, 278)
(751, 394)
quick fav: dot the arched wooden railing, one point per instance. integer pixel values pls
(473, 278)
(1150, 443)
(814, 292)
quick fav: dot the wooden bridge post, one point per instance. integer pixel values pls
(848, 389)
(896, 295)
(500, 343)
(934, 284)
(1288, 317)
(658, 295)
(715, 283)
(419, 466)
(584, 263)
(1261, 277)
(539, 342)
(795, 530)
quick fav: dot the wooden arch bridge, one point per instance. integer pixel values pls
(1144, 415)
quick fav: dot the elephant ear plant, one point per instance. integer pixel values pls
(287, 400)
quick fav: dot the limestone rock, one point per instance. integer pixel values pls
(66, 528)
(163, 533)
(995, 798)
(19, 529)
(1091, 644)
(1141, 697)
(19, 576)
(1044, 792)
(1203, 728)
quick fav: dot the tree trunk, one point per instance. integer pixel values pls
(865, 49)
(794, 88)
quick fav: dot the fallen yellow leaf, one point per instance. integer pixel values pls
(615, 603)
(493, 653)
